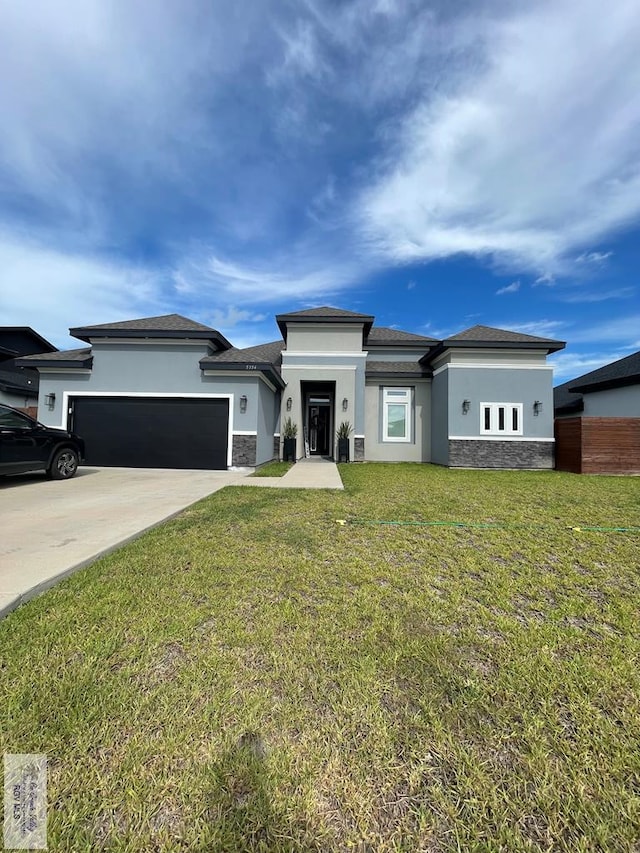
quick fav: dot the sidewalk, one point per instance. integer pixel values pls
(313, 473)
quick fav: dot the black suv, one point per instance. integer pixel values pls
(27, 445)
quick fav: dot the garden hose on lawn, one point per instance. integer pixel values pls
(495, 524)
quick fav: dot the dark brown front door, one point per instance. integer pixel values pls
(319, 419)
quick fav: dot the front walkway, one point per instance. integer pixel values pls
(312, 473)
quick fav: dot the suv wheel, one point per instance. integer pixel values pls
(64, 464)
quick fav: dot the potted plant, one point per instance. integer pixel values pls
(344, 431)
(289, 434)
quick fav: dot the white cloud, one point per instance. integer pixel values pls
(514, 287)
(53, 291)
(568, 365)
(593, 257)
(527, 156)
(540, 328)
(598, 296)
(546, 279)
(411, 285)
(231, 316)
(623, 331)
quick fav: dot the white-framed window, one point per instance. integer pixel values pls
(396, 414)
(501, 418)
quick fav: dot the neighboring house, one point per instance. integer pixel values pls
(170, 392)
(19, 385)
(598, 420)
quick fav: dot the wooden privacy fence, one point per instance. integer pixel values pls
(598, 445)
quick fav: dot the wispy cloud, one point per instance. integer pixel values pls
(593, 257)
(504, 161)
(568, 365)
(514, 287)
(541, 328)
(546, 279)
(597, 295)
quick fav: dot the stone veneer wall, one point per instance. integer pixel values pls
(243, 451)
(501, 454)
(358, 449)
(276, 447)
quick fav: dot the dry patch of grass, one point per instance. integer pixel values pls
(254, 676)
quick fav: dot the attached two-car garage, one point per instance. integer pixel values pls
(153, 432)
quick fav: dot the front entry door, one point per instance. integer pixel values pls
(319, 428)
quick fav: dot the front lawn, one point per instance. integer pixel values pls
(256, 676)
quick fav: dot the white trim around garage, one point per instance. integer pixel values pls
(230, 397)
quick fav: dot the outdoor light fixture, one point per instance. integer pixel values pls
(345, 404)
(50, 400)
(537, 407)
(289, 403)
(243, 403)
(466, 405)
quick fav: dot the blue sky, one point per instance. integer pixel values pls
(435, 164)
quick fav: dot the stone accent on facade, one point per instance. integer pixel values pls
(501, 454)
(358, 449)
(243, 451)
(276, 447)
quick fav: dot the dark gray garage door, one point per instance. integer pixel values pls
(152, 432)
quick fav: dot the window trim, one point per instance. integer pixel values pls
(407, 402)
(508, 410)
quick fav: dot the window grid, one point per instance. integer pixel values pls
(501, 418)
(396, 420)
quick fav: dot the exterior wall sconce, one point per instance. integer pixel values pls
(466, 405)
(537, 407)
(345, 404)
(289, 403)
(243, 403)
(50, 400)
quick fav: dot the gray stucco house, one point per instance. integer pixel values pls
(19, 385)
(170, 392)
(598, 420)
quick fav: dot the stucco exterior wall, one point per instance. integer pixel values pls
(440, 418)
(499, 385)
(344, 376)
(419, 448)
(156, 369)
(613, 403)
(318, 338)
(267, 423)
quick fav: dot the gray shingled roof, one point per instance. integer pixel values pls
(625, 371)
(564, 402)
(169, 326)
(163, 323)
(60, 355)
(396, 368)
(487, 334)
(382, 335)
(269, 353)
(325, 311)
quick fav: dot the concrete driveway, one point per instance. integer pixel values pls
(51, 528)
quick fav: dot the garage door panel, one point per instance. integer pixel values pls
(153, 432)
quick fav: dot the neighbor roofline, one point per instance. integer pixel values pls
(47, 345)
(605, 384)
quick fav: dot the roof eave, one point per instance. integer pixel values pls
(246, 368)
(89, 335)
(620, 382)
(547, 346)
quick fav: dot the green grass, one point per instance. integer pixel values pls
(273, 469)
(254, 676)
